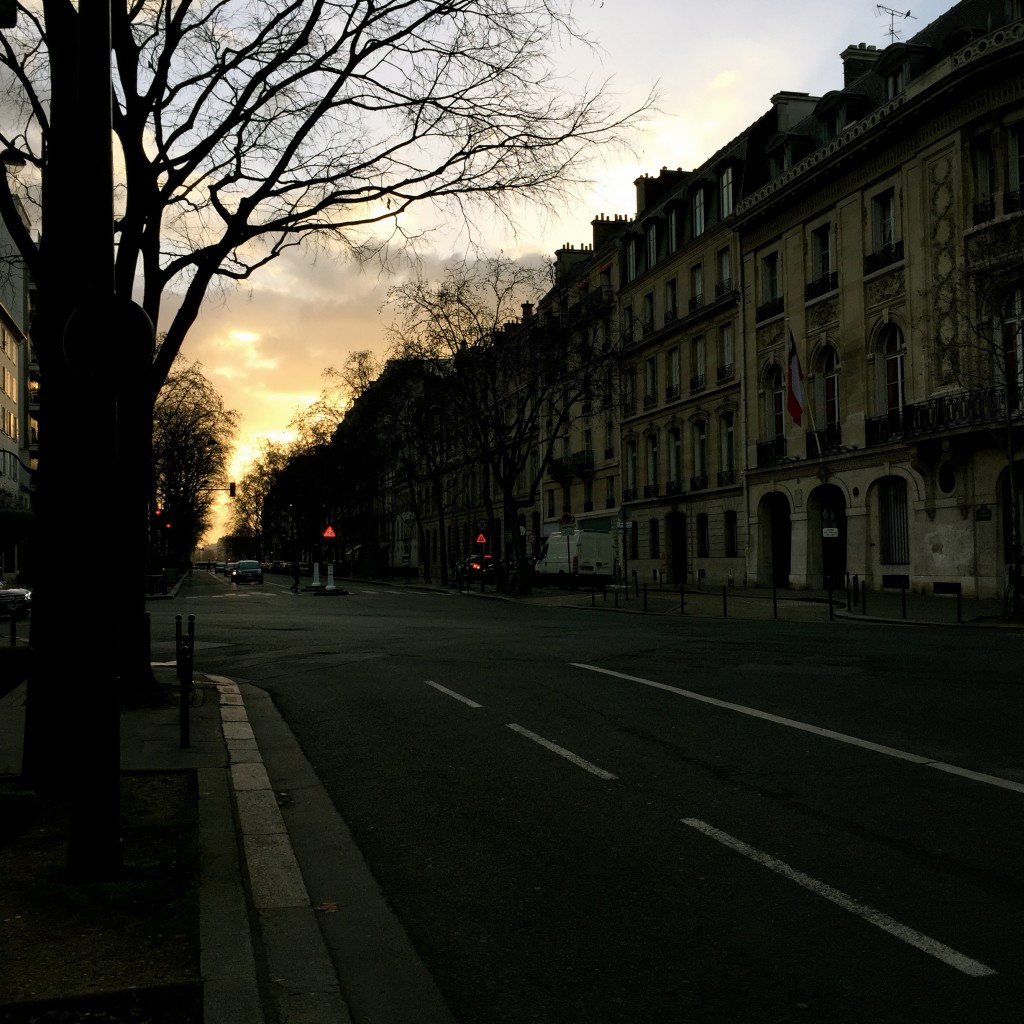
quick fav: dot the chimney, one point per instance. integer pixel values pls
(858, 60)
(527, 311)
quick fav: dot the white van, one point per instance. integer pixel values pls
(569, 559)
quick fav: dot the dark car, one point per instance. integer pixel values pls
(14, 601)
(248, 571)
(476, 569)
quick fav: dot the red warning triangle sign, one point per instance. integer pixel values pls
(481, 539)
(329, 532)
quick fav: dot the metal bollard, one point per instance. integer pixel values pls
(775, 601)
(682, 600)
(856, 589)
(184, 690)
(863, 597)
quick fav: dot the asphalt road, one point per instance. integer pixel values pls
(588, 816)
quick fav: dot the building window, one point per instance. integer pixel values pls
(672, 390)
(609, 493)
(1014, 170)
(883, 219)
(631, 468)
(893, 532)
(893, 371)
(1013, 343)
(648, 325)
(727, 427)
(703, 536)
(984, 180)
(634, 540)
(675, 457)
(775, 394)
(631, 259)
(696, 286)
(551, 503)
(670, 300)
(725, 191)
(724, 259)
(698, 212)
(650, 382)
(673, 228)
(770, 277)
(652, 465)
(732, 534)
(629, 390)
(896, 81)
(726, 370)
(700, 456)
(830, 386)
(821, 252)
(609, 439)
(655, 538)
(698, 364)
(652, 245)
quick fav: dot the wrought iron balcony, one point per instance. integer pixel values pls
(884, 257)
(670, 315)
(771, 453)
(696, 302)
(722, 287)
(773, 307)
(1011, 201)
(609, 453)
(824, 442)
(727, 477)
(650, 490)
(825, 284)
(979, 408)
(699, 483)
(570, 465)
(725, 373)
(696, 382)
(984, 210)
(650, 400)
(674, 487)
(671, 392)
(629, 494)
(628, 406)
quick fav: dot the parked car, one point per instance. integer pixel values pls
(14, 601)
(220, 568)
(247, 571)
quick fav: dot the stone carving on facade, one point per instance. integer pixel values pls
(943, 270)
(882, 291)
(771, 334)
(823, 315)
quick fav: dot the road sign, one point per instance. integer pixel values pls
(481, 538)
(481, 524)
(567, 519)
(329, 532)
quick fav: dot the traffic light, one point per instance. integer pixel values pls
(231, 489)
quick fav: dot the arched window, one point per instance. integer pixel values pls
(1013, 344)
(703, 536)
(893, 528)
(893, 372)
(830, 387)
(700, 456)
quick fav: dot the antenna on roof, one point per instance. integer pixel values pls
(893, 15)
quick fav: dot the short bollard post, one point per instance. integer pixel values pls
(848, 598)
(682, 600)
(903, 600)
(775, 602)
(636, 583)
(725, 608)
(184, 689)
(863, 597)
(177, 644)
(856, 589)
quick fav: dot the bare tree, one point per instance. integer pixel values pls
(977, 327)
(241, 129)
(518, 379)
(192, 437)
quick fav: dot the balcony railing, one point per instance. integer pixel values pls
(670, 315)
(696, 302)
(727, 477)
(650, 400)
(884, 257)
(773, 307)
(569, 465)
(588, 506)
(699, 483)
(674, 487)
(771, 453)
(629, 494)
(650, 490)
(671, 392)
(628, 406)
(949, 412)
(610, 503)
(984, 210)
(609, 453)
(722, 287)
(696, 382)
(824, 284)
(1011, 201)
(824, 442)
(725, 373)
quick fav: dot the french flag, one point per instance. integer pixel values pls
(794, 384)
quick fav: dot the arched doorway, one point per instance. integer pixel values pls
(775, 540)
(675, 524)
(826, 537)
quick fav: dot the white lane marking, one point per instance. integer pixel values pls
(452, 693)
(901, 931)
(841, 737)
(562, 752)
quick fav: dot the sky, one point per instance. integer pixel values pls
(264, 347)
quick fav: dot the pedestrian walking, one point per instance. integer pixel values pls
(295, 578)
